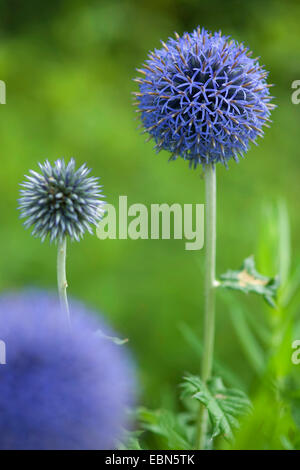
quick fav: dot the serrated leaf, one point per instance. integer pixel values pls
(247, 279)
(165, 424)
(224, 406)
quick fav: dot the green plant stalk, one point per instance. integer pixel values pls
(209, 292)
(61, 278)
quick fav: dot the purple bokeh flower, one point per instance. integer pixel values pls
(59, 389)
(203, 97)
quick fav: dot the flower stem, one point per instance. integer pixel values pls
(209, 291)
(61, 278)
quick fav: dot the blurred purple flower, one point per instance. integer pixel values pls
(203, 98)
(59, 389)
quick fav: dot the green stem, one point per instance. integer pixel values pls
(61, 277)
(209, 292)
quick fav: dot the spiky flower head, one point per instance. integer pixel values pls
(60, 389)
(61, 201)
(203, 97)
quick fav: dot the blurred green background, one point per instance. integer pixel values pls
(68, 67)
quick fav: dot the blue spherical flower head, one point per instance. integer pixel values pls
(61, 201)
(60, 389)
(203, 98)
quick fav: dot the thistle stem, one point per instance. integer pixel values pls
(61, 278)
(209, 292)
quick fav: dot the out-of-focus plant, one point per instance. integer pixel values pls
(265, 336)
(267, 341)
(204, 98)
(60, 390)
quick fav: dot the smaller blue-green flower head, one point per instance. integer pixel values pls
(61, 201)
(60, 389)
(203, 97)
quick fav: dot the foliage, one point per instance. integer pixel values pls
(266, 347)
(224, 406)
(247, 279)
(73, 99)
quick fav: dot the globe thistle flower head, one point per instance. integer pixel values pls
(61, 201)
(60, 389)
(203, 97)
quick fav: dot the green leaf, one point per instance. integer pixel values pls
(218, 367)
(295, 409)
(284, 241)
(130, 441)
(251, 347)
(165, 424)
(247, 279)
(291, 288)
(224, 406)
